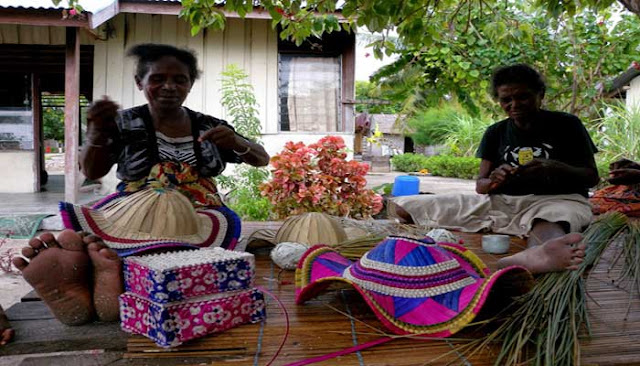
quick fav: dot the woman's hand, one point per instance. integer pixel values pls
(624, 164)
(624, 176)
(500, 175)
(98, 154)
(224, 138)
(542, 167)
(101, 122)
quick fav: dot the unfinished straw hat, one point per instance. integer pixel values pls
(414, 286)
(153, 218)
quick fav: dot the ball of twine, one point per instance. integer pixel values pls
(442, 235)
(287, 254)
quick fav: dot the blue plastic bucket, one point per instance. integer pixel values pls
(405, 185)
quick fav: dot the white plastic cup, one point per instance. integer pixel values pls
(495, 244)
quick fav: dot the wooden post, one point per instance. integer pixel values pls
(348, 84)
(71, 114)
(38, 140)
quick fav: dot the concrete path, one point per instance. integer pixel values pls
(438, 185)
(47, 202)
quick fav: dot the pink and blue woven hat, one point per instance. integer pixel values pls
(414, 286)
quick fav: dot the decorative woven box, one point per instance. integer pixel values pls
(177, 276)
(171, 324)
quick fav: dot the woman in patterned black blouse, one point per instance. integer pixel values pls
(166, 154)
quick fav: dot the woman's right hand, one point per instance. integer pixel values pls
(623, 164)
(625, 176)
(500, 175)
(101, 121)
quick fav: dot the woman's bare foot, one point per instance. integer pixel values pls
(107, 278)
(6, 332)
(58, 269)
(555, 255)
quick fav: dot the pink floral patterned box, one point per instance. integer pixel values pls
(176, 276)
(171, 324)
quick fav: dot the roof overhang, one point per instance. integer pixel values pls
(45, 13)
(52, 15)
(620, 83)
(42, 17)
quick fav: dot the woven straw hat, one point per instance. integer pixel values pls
(152, 218)
(414, 286)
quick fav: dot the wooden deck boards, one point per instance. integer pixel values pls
(317, 329)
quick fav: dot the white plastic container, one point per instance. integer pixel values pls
(495, 244)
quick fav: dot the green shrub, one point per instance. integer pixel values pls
(248, 206)
(240, 104)
(441, 165)
(451, 126)
(618, 134)
(431, 126)
(453, 166)
(603, 166)
(408, 162)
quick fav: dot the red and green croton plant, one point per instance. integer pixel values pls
(318, 178)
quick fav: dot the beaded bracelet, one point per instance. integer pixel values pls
(244, 152)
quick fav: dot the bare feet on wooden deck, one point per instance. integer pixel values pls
(554, 255)
(6, 332)
(59, 269)
(107, 278)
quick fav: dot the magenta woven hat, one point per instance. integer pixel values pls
(414, 286)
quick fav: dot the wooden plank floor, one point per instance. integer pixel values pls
(316, 328)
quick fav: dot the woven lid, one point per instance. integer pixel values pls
(153, 218)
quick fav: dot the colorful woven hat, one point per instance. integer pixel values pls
(153, 218)
(414, 286)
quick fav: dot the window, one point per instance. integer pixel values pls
(309, 90)
(16, 115)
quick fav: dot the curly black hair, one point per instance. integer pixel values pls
(147, 53)
(517, 74)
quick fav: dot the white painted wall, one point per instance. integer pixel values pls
(275, 143)
(19, 171)
(633, 94)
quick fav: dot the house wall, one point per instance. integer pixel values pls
(19, 171)
(276, 142)
(633, 94)
(251, 44)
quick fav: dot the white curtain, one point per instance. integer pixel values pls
(313, 94)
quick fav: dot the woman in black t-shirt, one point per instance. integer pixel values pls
(535, 171)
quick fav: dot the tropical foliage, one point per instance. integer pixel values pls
(448, 48)
(413, 19)
(450, 126)
(574, 54)
(464, 167)
(371, 98)
(618, 133)
(239, 102)
(53, 123)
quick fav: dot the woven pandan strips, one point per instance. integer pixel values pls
(168, 325)
(176, 276)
